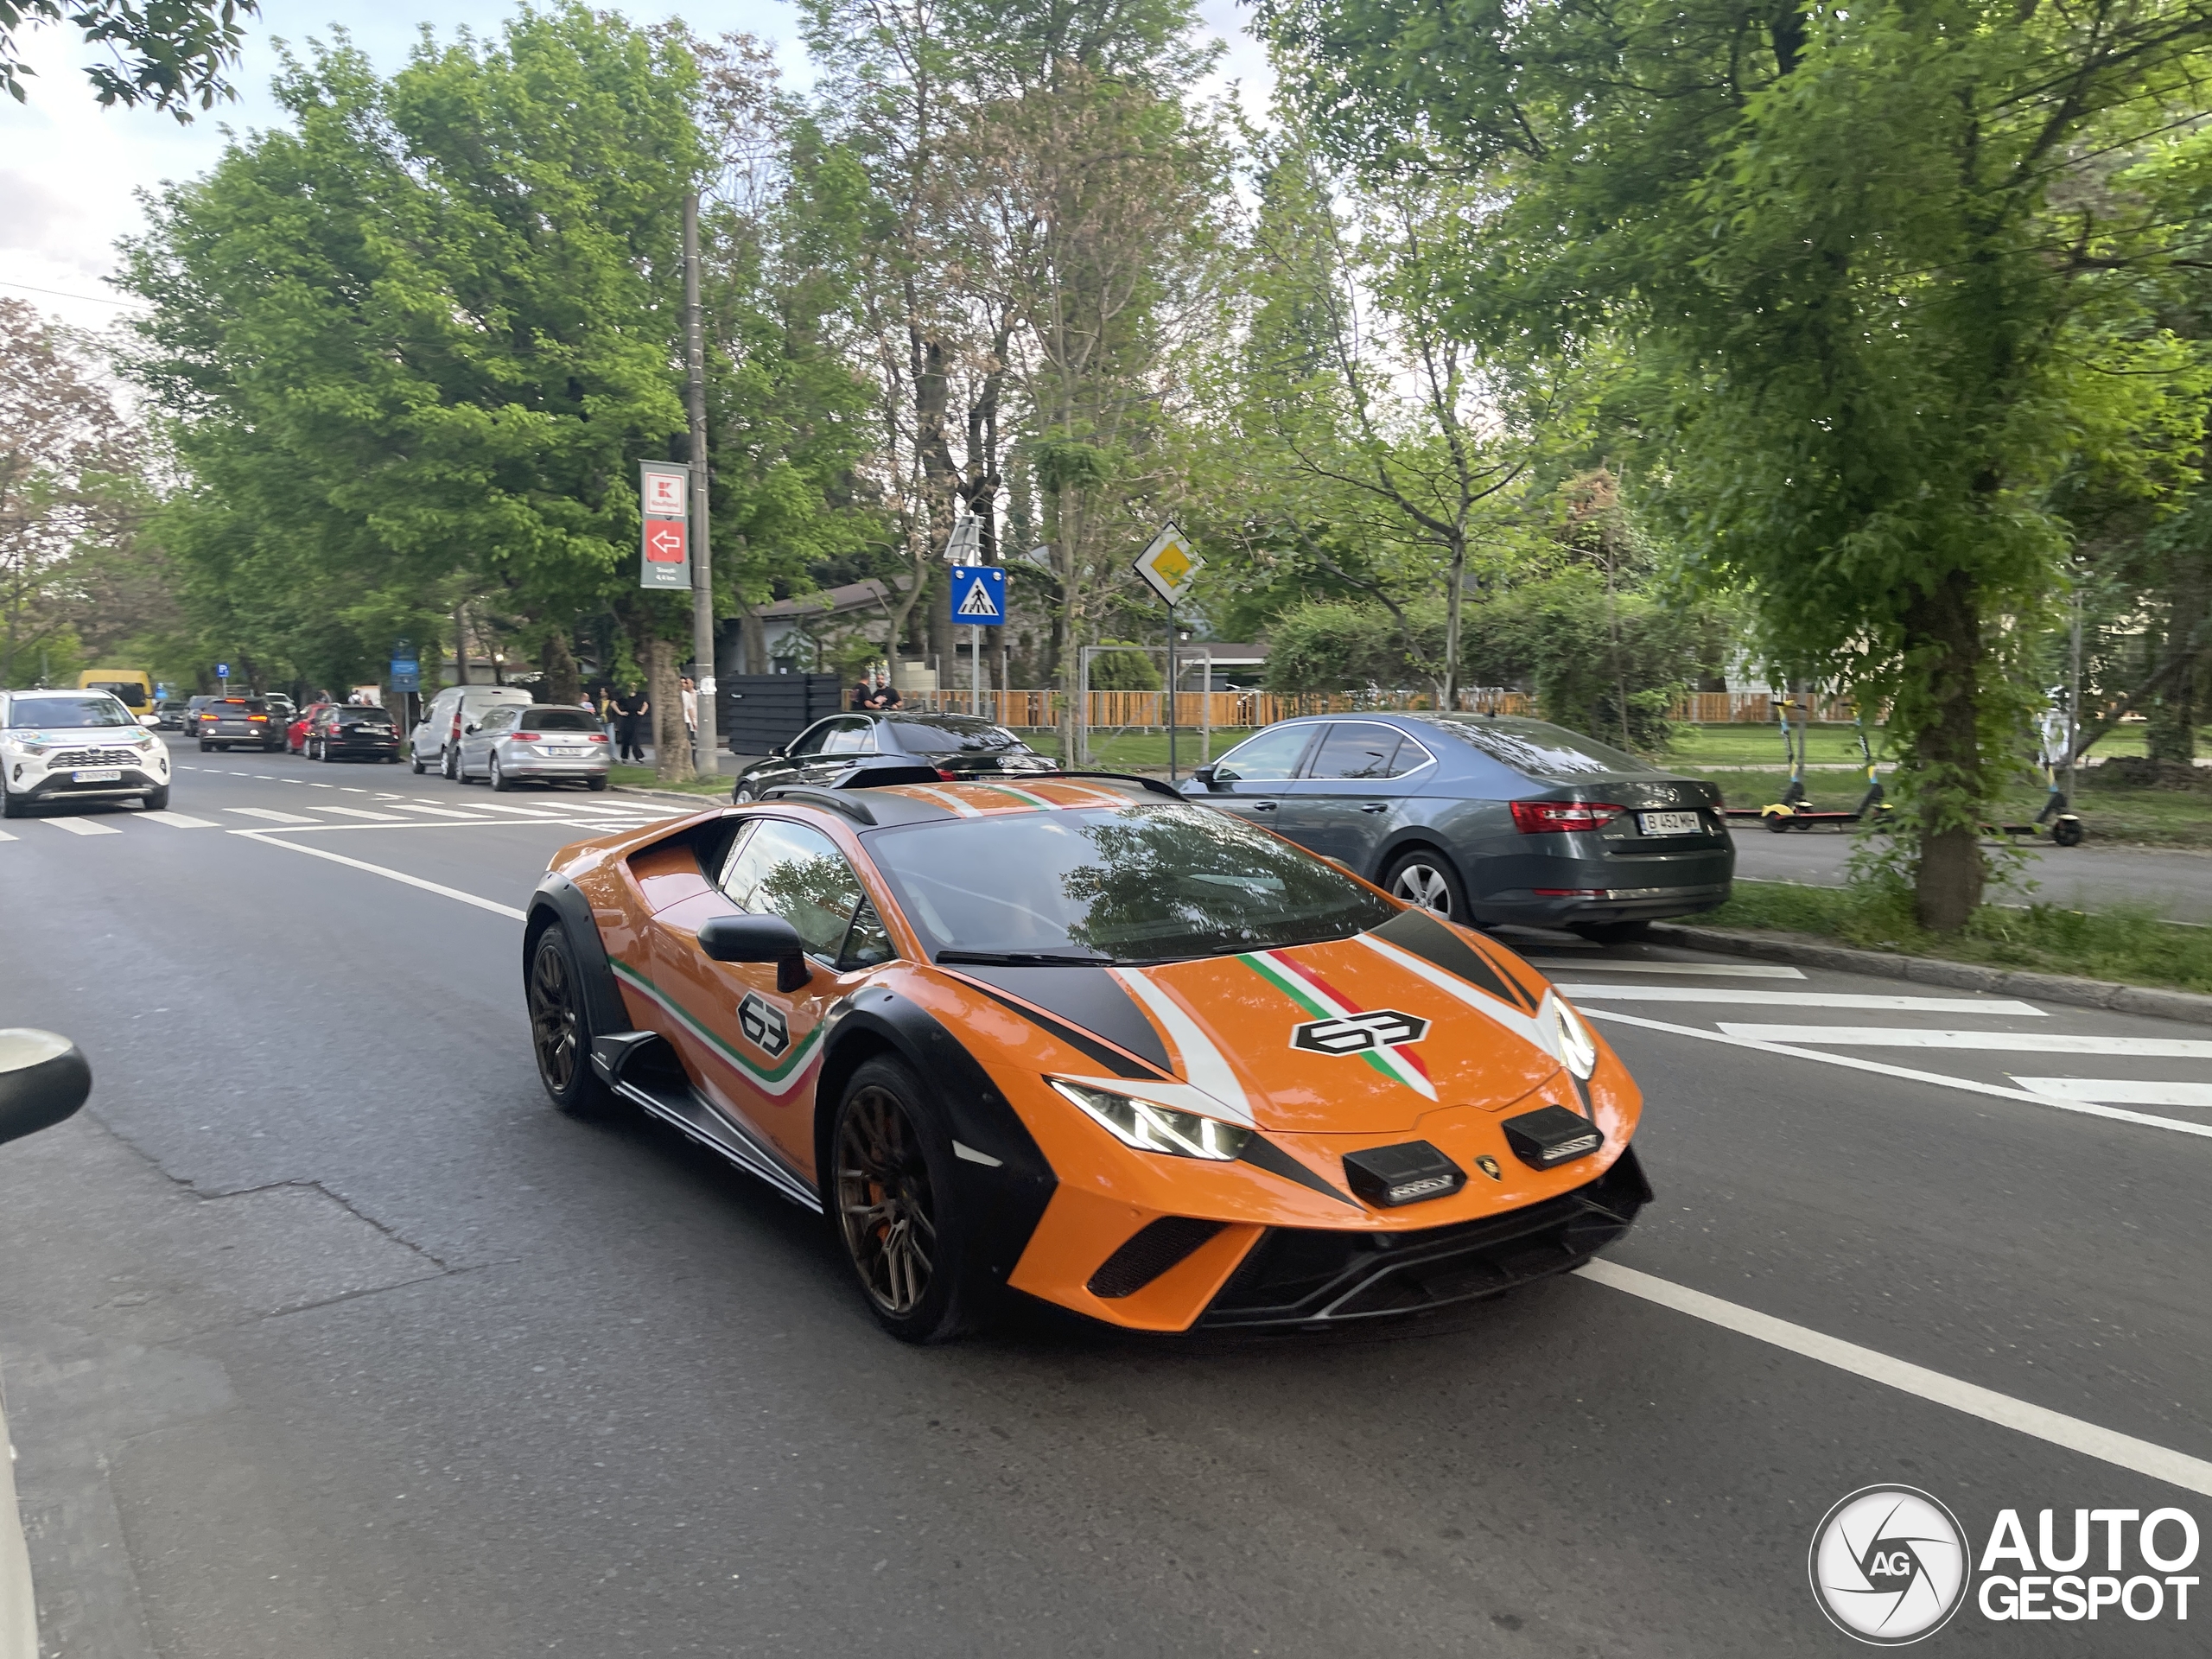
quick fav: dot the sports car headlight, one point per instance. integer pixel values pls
(1149, 1127)
(1578, 1049)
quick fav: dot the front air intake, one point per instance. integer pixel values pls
(1155, 1248)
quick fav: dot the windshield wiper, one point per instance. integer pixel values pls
(1020, 959)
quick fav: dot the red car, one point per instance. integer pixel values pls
(296, 734)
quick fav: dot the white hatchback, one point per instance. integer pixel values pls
(76, 746)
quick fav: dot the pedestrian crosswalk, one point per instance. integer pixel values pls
(388, 811)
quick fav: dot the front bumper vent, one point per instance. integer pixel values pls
(1156, 1247)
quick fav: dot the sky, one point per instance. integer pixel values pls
(71, 172)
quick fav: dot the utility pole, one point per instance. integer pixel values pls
(2074, 692)
(703, 562)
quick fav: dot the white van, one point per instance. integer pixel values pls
(453, 712)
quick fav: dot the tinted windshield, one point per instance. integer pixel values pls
(948, 736)
(1133, 884)
(1535, 748)
(558, 720)
(85, 709)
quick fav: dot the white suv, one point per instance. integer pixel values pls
(76, 746)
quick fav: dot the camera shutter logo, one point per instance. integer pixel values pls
(1888, 1565)
(764, 1025)
(1355, 1033)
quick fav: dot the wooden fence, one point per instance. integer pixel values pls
(1146, 711)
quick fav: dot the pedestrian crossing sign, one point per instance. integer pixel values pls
(979, 595)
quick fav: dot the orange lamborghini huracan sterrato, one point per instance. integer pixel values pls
(1081, 1039)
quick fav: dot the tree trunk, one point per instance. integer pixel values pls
(562, 683)
(1453, 600)
(671, 750)
(1944, 639)
(2173, 710)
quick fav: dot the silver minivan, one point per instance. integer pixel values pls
(536, 742)
(451, 715)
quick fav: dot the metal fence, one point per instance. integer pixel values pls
(1146, 711)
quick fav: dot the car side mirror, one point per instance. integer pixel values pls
(757, 938)
(1203, 775)
(43, 1079)
(149, 720)
(779, 752)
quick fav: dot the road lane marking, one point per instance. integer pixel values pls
(2120, 1091)
(177, 820)
(442, 812)
(520, 811)
(1715, 969)
(2039, 1422)
(363, 813)
(270, 838)
(2039, 1042)
(1853, 1063)
(4, 836)
(270, 813)
(84, 826)
(1864, 1000)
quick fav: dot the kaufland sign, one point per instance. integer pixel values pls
(664, 542)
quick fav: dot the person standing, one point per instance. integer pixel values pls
(690, 713)
(631, 710)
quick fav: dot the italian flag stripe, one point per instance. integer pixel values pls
(776, 1079)
(1312, 993)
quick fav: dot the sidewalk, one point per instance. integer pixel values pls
(2171, 883)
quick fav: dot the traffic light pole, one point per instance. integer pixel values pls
(703, 562)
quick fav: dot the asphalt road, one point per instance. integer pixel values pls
(322, 1335)
(2175, 883)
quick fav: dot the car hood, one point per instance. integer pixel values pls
(1357, 1036)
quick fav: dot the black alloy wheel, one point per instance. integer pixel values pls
(1424, 877)
(895, 1195)
(560, 1028)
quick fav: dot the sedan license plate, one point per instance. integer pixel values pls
(96, 775)
(1667, 823)
(567, 754)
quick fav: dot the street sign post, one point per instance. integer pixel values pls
(223, 673)
(664, 541)
(1170, 568)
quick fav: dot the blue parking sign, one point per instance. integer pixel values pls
(979, 595)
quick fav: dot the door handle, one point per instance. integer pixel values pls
(1263, 806)
(1377, 806)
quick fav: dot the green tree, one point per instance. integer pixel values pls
(164, 54)
(1850, 247)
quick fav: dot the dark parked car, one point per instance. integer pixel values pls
(1485, 820)
(229, 723)
(170, 714)
(352, 731)
(958, 745)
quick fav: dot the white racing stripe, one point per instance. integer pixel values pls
(1710, 970)
(2120, 1091)
(1867, 1001)
(84, 826)
(2053, 1427)
(1204, 1067)
(1853, 1063)
(271, 838)
(270, 814)
(2037, 1042)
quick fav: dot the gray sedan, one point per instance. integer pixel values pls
(514, 742)
(1485, 820)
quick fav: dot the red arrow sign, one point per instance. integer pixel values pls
(664, 541)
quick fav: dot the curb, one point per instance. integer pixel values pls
(1799, 948)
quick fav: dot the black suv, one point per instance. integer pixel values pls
(232, 722)
(956, 745)
(352, 731)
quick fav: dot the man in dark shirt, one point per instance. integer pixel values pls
(630, 711)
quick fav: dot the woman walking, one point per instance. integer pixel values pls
(631, 709)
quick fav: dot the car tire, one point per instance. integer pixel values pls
(892, 1202)
(205, 747)
(416, 761)
(1424, 877)
(13, 805)
(742, 796)
(597, 786)
(501, 784)
(450, 762)
(1611, 932)
(560, 1028)
(392, 760)
(155, 800)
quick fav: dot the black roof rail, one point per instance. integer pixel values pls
(813, 795)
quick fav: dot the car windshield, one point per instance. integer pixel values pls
(1141, 883)
(950, 736)
(1535, 748)
(557, 720)
(88, 710)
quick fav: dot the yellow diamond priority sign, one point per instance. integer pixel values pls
(1170, 565)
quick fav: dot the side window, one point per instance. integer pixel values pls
(850, 737)
(867, 942)
(788, 870)
(1269, 757)
(809, 741)
(1356, 749)
(498, 719)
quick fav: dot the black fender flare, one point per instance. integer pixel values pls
(559, 899)
(1005, 1197)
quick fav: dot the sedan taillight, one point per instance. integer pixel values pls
(949, 777)
(525, 737)
(1543, 817)
(599, 737)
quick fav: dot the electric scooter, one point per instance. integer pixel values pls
(1790, 812)
(2056, 822)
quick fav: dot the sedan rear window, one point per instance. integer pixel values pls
(1536, 748)
(559, 720)
(89, 710)
(1129, 885)
(950, 737)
